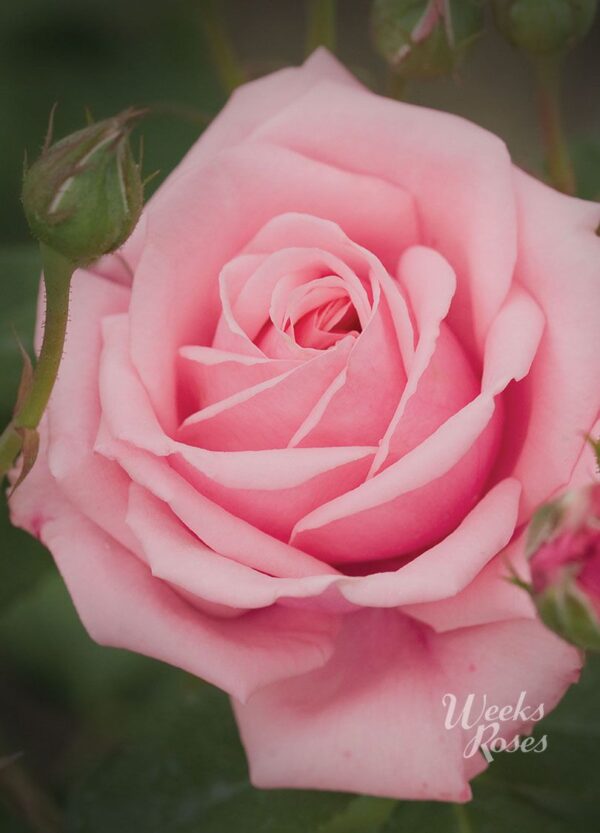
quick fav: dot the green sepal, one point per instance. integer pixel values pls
(565, 609)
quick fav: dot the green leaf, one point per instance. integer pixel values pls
(180, 769)
(363, 814)
(44, 644)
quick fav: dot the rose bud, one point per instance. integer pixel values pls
(543, 27)
(425, 39)
(83, 196)
(565, 566)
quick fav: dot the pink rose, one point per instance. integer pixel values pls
(303, 416)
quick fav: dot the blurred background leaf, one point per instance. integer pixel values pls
(586, 161)
(109, 54)
(180, 769)
(19, 278)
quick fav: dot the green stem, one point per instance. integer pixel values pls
(462, 819)
(547, 74)
(229, 70)
(57, 279)
(321, 30)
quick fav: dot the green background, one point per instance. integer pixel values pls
(114, 742)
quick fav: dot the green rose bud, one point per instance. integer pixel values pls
(544, 27)
(84, 194)
(425, 38)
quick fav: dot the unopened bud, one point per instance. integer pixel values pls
(544, 27)
(565, 566)
(84, 194)
(425, 38)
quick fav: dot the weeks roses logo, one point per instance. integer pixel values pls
(489, 724)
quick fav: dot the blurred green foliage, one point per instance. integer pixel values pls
(103, 55)
(116, 741)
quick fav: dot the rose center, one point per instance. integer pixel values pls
(315, 314)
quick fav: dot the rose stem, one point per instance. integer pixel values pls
(229, 70)
(57, 279)
(547, 76)
(321, 25)
(462, 819)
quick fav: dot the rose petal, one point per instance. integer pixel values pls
(257, 101)
(431, 284)
(375, 520)
(209, 375)
(460, 175)
(180, 558)
(267, 414)
(489, 597)
(372, 719)
(179, 284)
(323, 234)
(557, 404)
(130, 419)
(95, 486)
(122, 605)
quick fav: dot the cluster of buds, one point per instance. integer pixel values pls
(425, 38)
(564, 550)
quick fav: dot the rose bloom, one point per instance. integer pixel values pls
(303, 416)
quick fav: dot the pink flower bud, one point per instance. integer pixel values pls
(565, 566)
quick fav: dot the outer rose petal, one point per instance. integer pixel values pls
(97, 487)
(459, 174)
(557, 403)
(122, 605)
(372, 719)
(489, 597)
(247, 107)
(256, 102)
